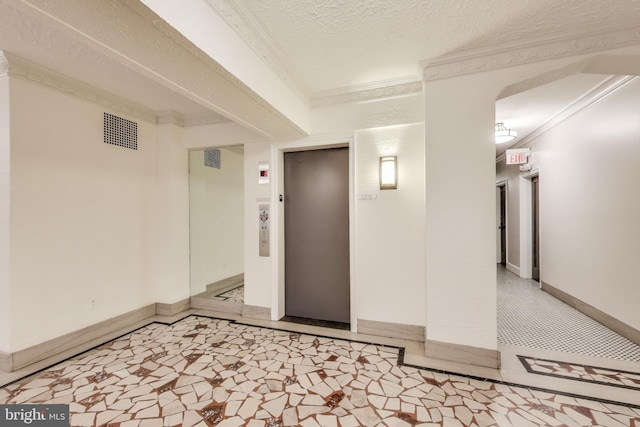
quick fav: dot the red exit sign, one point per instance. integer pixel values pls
(518, 156)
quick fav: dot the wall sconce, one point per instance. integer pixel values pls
(389, 172)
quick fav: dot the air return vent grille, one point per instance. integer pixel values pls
(120, 132)
(212, 158)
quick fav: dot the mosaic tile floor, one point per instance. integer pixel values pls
(592, 374)
(529, 317)
(210, 372)
(234, 295)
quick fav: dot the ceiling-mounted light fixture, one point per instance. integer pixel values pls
(503, 134)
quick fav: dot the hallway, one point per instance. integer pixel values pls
(529, 317)
(544, 342)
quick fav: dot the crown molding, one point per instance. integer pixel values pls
(130, 34)
(585, 101)
(221, 90)
(235, 14)
(239, 19)
(175, 118)
(169, 118)
(238, 149)
(532, 50)
(4, 65)
(17, 67)
(376, 93)
(204, 119)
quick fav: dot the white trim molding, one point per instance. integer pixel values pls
(4, 65)
(462, 353)
(598, 315)
(17, 67)
(391, 330)
(513, 268)
(609, 86)
(172, 117)
(235, 14)
(532, 50)
(77, 341)
(382, 92)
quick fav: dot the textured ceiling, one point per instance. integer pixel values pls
(325, 46)
(32, 38)
(331, 44)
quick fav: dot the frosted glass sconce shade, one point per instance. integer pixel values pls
(388, 172)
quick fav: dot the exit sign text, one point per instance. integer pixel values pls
(517, 156)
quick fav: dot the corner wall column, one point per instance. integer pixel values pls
(460, 219)
(171, 257)
(5, 200)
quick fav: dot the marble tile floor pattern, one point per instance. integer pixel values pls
(234, 295)
(593, 374)
(204, 372)
(529, 317)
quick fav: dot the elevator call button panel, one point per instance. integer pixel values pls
(263, 234)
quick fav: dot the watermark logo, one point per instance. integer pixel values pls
(34, 415)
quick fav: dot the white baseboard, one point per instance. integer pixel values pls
(256, 312)
(216, 305)
(77, 341)
(391, 330)
(514, 269)
(607, 320)
(164, 309)
(462, 353)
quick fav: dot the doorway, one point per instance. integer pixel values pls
(316, 234)
(535, 227)
(502, 224)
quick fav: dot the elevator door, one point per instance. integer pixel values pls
(316, 186)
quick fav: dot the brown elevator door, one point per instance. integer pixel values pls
(316, 187)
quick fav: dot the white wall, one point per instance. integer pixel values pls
(5, 171)
(80, 216)
(460, 212)
(590, 204)
(258, 270)
(171, 217)
(217, 135)
(390, 247)
(217, 218)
